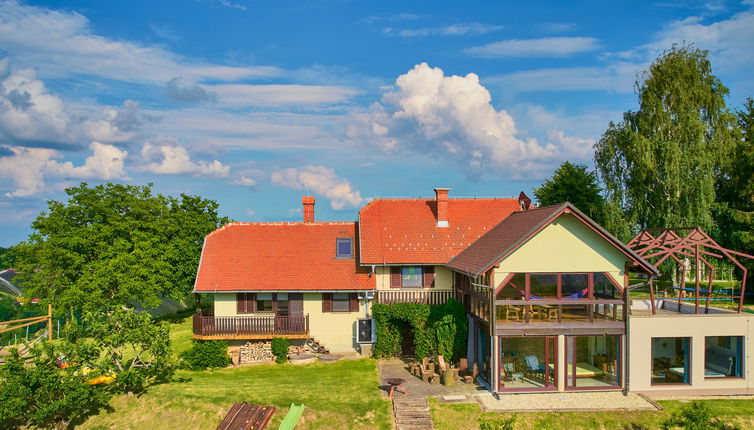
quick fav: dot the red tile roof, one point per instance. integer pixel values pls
(279, 256)
(404, 231)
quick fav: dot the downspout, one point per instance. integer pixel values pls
(626, 313)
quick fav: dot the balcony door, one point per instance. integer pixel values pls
(528, 363)
(289, 312)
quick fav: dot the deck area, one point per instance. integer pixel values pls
(256, 327)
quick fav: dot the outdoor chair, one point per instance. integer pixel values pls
(533, 367)
(512, 313)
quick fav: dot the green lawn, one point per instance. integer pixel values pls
(464, 416)
(337, 395)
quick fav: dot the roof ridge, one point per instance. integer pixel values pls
(279, 223)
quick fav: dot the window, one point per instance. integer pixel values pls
(592, 361)
(604, 289)
(264, 303)
(411, 276)
(245, 303)
(543, 285)
(344, 247)
(340, 302)
(574, 285)
(671, 360)
(723, 356)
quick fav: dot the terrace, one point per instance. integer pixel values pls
(252, 327)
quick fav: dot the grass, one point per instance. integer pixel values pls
(464, 416)
(337, 395)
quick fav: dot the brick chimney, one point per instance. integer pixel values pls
(441, 198)
(308, 202)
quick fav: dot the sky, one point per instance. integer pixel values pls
(254, 104)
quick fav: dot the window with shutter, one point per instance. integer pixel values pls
(326, 302)
(429, 276)
(241, 303)
(395, 277)
(353, 303)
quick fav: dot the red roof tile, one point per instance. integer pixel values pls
(279, 256)
(404, 231)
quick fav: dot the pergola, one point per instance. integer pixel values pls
(681, 243)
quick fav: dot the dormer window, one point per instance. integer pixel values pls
(344, 247)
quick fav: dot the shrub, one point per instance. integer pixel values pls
(695, 416)
(497, 423)
(207, 354)
(280, 347)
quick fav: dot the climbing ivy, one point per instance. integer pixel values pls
(437, 329)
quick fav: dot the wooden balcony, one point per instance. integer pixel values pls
(427, 297)
(264, 327)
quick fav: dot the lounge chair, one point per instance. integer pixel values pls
(533, 367)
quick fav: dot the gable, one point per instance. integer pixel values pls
(565, 245)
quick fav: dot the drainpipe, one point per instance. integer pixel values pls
(626, 313)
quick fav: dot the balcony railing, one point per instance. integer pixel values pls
(430, 297)
(557, 311)
(250, 327)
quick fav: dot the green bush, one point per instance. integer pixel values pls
(695, 416)
(207, 354)
(280, 347)
(497, 423)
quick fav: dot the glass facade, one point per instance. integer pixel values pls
(528, 363)
(593, 361)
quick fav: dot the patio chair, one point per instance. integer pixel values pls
(512, 313)
(533, 367)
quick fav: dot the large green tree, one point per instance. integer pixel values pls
(576, 184)
(661, 162)
(115, 244)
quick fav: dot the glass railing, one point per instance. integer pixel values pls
(558, 312)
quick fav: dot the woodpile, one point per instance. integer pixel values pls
(253, 352)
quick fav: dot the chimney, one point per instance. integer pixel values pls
(308, 202)
(441, 198)
(524, 201)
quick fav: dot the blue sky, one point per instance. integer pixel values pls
(255, 104)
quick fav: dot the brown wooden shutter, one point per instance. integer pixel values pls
(296, 303)
(353, 302)
(396, 279)
(240, 303)
(251, 303)
(326, 302)
(429, 276)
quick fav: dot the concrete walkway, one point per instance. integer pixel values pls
(570, 401)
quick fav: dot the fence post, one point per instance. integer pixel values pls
(49, 322)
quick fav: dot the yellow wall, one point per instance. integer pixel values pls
(566, 245)
(335, 330)
(697, 327)
(443, 279)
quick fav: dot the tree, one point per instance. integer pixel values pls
(133, 346)
(661, 162)
(44, 395)
(576, 184)
(735, 189)
(115, 245)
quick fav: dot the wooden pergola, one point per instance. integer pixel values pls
(681, 243)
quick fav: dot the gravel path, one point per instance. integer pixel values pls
(571, 401)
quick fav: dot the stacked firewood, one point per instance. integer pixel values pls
(256, 351)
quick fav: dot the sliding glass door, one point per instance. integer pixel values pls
(528, 363)
(593, 362)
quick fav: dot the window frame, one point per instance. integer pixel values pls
(421, 277)
(741, 358)
(688, 369)
(340, 240)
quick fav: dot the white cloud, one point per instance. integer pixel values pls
(61, 42)
(165, 157)
(618, 77)
(452, 116)
(321, 180)
(532, 48)
(243, 181)
(180, 90)
(31, 115)
(28, 168)
(280, 95)
(250, 213)
(463, 29)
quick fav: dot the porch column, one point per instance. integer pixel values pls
(561, 357)
(494, 360)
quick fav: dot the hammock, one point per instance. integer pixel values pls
(576, 295)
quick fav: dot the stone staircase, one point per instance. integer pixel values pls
(411, 413)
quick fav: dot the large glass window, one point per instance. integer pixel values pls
(671, 360)
(515, 288)
(604, 289)
(574, 285)
(411, 276)
(543, 285)
(592, 361)
(723, 356)
(528, 363)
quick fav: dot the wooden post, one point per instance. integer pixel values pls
(49, 322)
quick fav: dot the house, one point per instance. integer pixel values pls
(544, 289)
(6, 284)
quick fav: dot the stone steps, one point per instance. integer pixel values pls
(412, 414)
